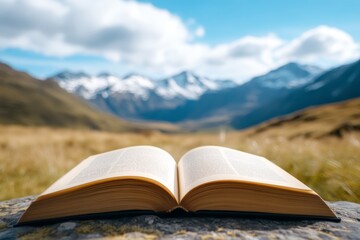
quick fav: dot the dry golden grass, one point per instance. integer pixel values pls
(316, 122)
(31, 158)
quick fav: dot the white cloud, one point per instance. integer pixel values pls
(241, 59)
(156, 41)
(120, 30)
(250, 56)
(322, 42)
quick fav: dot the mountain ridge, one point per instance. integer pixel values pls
(238, 100)
(180, 80)
(337, 84)
(134, 94)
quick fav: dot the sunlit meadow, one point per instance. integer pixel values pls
(31, 158)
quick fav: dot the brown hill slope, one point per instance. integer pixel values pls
(25, 100)
(316, 122)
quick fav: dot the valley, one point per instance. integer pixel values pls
(46, 130)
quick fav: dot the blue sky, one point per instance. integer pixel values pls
(220, 39)
(227, 20)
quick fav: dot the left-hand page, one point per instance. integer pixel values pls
(138, 161)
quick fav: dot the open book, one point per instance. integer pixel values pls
(208, 178)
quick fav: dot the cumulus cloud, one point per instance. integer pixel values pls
(155, 40)
(322, 42)
(119, 30)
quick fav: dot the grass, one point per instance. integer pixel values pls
(32, 158)
(315, 122)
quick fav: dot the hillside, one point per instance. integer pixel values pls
(317, 122)
(28, 101)
(338, 84)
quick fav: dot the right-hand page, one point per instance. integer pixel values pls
(213, 163)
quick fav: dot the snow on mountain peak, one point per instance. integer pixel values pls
(80, 83)
(186, 85)
(183, 85)
(291, 75)
(133, 84)
(184, 78)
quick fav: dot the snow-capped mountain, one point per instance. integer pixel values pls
(185, 96)
(183, 85)
(83, 84)
(189, 98)
(135, 93)
(186, 85)
(88, 86)
(136, 85)
(242, 99)
(337, 84)
(291, 75)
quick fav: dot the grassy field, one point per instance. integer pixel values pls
(31, 158)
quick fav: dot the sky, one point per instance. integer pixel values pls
(228, 39)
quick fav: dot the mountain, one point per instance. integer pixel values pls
(336, 120)
(27, 101)
(289, 76)
(332, 86)
(218, 107)
(185, 85)
(132, 95)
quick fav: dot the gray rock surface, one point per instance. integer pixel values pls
(154, 227)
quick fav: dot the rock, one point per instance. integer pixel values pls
(154, 227)
(3, 225)
(66, 226)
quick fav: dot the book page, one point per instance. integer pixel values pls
(139, 161)
(213, 163)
